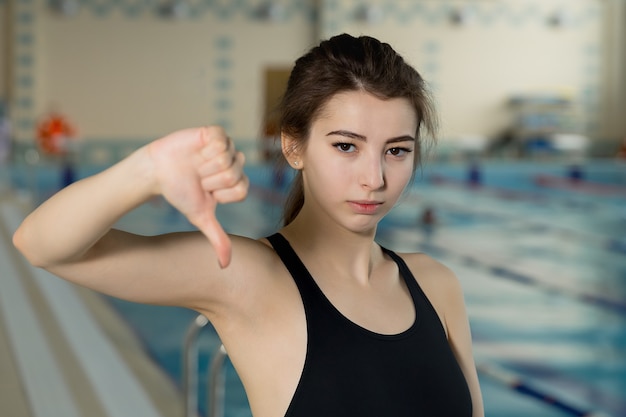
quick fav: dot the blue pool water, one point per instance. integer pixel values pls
(542, 260)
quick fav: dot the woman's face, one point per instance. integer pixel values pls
(358, 158)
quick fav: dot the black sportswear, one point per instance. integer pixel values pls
(350, 371)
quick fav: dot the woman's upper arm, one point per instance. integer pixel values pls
(172, 269)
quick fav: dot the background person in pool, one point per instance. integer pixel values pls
(341, 326)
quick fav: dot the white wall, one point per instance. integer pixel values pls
(141, 77)
(120, 71)
(504, 48)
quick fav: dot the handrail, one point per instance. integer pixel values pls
(190, 366)
(216, 381)
(216, 387)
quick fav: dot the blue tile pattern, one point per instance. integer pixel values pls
(223, 81)
(23, 39)
(430, 67)
(222, 9)
(590, 90)
(431, 12)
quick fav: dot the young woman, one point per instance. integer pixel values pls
(318, 319)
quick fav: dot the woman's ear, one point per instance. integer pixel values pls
(291, 151)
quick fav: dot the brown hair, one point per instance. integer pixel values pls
(345, 63)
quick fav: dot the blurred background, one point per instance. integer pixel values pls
(524, 195)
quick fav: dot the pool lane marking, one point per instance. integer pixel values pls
(579, 186)
(42, 379)
(516, 383)
(117, 387)
(611, 244)
(586, 188)
(523, 278)
(589, 298)
(616, 305)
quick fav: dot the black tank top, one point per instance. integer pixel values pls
(350, 371)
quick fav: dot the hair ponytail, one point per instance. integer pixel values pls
(295, 199)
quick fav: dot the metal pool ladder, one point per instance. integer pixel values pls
(216, 383)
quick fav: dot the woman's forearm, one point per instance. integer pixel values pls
(64, 227)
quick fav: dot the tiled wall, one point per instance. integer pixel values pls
(23, 32)
(3, 49)
(123, 69)
(496, 49)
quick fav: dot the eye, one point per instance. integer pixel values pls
(344, 147)
(399, 151)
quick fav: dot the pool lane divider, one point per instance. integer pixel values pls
(118, 389)
(543, 181)
(612, 244)
(578, 185)
(515, 383)
(613, 304)
(616, 305)
(521, 195)
(588, 298)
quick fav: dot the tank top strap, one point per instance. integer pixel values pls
(305, 281)
(416, 292)
(418, 295)
(405, 272)
(294, 265)
(311, 292)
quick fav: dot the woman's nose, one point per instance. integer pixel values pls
(372, 173)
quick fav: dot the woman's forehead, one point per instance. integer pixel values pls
(363, 109)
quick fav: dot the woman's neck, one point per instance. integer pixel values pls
(351, 253)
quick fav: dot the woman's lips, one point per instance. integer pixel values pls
(365, 206)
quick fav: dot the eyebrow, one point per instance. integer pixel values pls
(352, 135)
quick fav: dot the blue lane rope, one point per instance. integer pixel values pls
(515, 383)
(616, 305)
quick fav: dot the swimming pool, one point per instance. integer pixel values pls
(542, 259)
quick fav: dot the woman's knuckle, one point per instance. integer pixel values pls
(222, 162)
(230, 178)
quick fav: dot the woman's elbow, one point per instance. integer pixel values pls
(21, 243)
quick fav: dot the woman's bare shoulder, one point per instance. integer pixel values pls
(439, 283)
(429, 271)
(253, 253)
